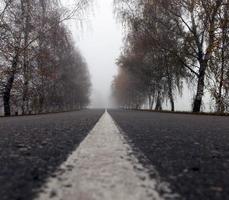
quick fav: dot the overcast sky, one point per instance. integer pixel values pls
(100, 41)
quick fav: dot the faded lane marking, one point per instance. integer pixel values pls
(101, 169)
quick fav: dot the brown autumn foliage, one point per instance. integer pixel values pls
(183, 40)
(40, 68)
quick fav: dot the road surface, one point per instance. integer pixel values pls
(124, 155)
(32, 147)
(190, 152)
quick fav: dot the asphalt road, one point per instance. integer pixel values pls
(32, 147)
(190, 152)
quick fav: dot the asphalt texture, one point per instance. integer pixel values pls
(190, 152)
(32, 148)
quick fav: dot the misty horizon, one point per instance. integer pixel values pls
(101, 41)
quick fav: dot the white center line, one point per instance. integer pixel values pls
(101, 169)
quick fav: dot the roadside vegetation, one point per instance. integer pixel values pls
(41, 70)
(168, 43)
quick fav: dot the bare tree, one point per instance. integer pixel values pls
(32, 35)
(186, 31)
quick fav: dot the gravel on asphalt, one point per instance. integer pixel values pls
(32, 147)
(191, 152)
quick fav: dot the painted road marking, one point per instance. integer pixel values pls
(101, 169)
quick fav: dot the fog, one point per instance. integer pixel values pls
(101, 46)
(100, 41)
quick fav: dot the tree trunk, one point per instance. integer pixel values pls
(26, 14)
(220, 104)
(171, 101)
(158, 103)
(219, 100)
(25, 103)
(200, 86)
(41, 103)
(150, 100)
(171, 92)
(151, 106)
(8, 87)
(41, 62)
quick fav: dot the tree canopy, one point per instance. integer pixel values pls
(168, 42)
(41, 70)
